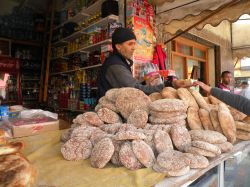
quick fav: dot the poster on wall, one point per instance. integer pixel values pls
(144, 43)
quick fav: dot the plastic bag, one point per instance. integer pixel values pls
(36, 113)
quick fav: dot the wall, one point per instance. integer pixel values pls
(221, 36)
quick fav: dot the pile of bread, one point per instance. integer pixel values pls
(210, 113)
(15, 170)
(163, 131)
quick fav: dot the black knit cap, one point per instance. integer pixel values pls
(122, 35)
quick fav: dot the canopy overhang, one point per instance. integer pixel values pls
(174, 17)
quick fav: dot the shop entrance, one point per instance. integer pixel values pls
(190, 59)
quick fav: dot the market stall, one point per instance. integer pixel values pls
(44, 150)
(170, 137)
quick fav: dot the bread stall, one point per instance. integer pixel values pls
(101, 149)
(170, 138)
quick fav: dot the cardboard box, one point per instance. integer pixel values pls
(33, 128)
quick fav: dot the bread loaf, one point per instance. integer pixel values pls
(193, 119)
(205, 119)
(227, 123)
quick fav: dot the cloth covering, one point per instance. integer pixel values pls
(43, 151)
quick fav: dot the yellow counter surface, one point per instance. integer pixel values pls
(43, 151)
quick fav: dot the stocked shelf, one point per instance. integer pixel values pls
(102, 22)
(74, 36)
(77, 18)
(93, 46)
(71, 71)
(77, 34)
(86, 49)
(24, 42)
(58, 43)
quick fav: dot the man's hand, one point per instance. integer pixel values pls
(205, 87)
(182, 83)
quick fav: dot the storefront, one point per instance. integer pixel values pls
(52, 123)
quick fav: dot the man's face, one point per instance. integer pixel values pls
(127, 48)
(227, 79)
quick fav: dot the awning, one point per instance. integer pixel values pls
(175, 16)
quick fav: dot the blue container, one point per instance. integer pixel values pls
(4, 112)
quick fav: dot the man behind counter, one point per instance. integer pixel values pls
(116, 70)
(226, 80)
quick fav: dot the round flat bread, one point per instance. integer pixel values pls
(169, 93)
(143, 153)
(212, 137)
(127, 127)
(129, 135)
(155, 96)
(207, 146)
(195, 150)
(138, 118)
(175, 119)
(76, 148)
(182, 171)
(130, 99)
(108, 116)
(82, 131)
(92, 118)
(102, 153)
(225, 147)
(115, 157)
(171, 160)
(128, 158)
(162, 141)
(165, 115)
(97, 135)
(105, 103)
(197, 161)
(168, 105)
(16, 171)
(111, 128)
(180, 137)
(112, 94)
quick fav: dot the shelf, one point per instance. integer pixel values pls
(30, 79)
(30, 99)
(102, 22)
(93, 46)
(32, 43)
(59, 43)
(74, 35)
(70, 71)
(30, 88)
(77, 34)
(77, 18)
(60, 57)
(94, 88)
